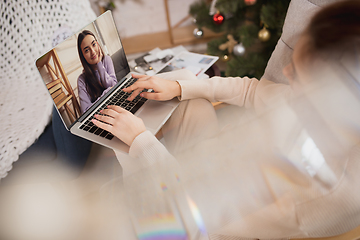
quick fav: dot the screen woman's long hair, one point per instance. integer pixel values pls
(93, 85)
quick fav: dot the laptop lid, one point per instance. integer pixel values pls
(61, 67)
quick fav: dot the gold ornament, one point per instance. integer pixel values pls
(224, 58)
(229, 45)
(264, 34)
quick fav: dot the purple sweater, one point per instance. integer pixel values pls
(105, 74)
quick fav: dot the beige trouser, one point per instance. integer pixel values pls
(193, 121)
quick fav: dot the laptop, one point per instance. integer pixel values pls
(60, 68)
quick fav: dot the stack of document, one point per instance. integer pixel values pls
(159, 61)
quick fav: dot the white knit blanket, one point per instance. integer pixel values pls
(26, 32)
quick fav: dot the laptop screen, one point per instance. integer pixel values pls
(81, 69)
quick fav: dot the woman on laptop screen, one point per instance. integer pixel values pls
(98, 75)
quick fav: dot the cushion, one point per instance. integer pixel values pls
(297, 18)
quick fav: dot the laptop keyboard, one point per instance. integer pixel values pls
(118, 99)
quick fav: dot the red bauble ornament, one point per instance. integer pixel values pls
(250, 2)
(218, 18)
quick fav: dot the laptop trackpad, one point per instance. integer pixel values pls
(154, 114)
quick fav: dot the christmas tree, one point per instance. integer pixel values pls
(251, 30)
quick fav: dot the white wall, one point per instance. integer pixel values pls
(136, 17)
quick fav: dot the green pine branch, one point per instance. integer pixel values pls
(244, 23)
(273, 15)
(251, 65)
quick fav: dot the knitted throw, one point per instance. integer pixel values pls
(26, 32)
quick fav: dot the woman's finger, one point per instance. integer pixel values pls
(102, 125)
(109, 112)
(134, 94)
(151, 95)
(116, 109)
(139, 85)
(138, 76)
(105, 119)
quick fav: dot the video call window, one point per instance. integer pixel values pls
(79, 70)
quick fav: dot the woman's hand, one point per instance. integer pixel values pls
(100, 54)
(121, 123)
(163, 89)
